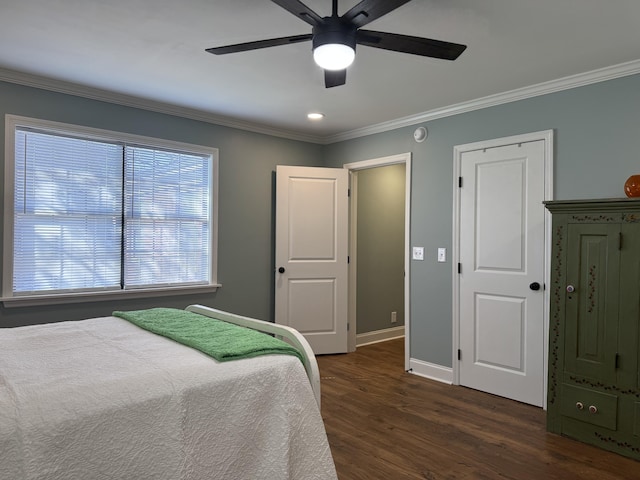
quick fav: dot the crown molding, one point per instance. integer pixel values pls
(565, 83)
(70, 88)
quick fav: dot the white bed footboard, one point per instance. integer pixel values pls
(289, 334)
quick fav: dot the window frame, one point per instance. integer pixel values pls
(9, 299)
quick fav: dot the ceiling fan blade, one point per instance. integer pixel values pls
(369, 10)
(300, 10)
(426, 47)
(335, 78)
(273, 42)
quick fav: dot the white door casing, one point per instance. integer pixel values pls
(311, 254)
(353, 239)
(502, 244)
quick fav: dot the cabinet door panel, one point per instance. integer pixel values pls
(629, 313)
(593, 263)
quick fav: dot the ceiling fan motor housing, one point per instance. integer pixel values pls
(334, 30)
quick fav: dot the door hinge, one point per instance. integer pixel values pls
(459, 182)
(459, 268)
(617, 361)
(459, 354)
(348, 192)
(348, 259)
(347, 327)
(620, 241)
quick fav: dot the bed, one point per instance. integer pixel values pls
(103, 398)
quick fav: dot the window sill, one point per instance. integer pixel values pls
(41, 300)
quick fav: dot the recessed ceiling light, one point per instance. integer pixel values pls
(315, 116)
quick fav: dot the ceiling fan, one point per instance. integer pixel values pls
(334, 38)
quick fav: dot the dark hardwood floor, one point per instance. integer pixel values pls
(384, 423)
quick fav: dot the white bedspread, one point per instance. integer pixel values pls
(103, 399)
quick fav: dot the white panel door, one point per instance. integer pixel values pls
(502, 259)
(311, 254)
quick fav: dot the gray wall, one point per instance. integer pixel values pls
(380, 249)
(596, 148)
(247, 166)
(596, 130)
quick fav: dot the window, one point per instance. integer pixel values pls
(98, 212)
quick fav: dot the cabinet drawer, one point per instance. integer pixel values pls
(589, 406)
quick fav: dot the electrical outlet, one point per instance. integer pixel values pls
(394, 317)
(418, 253)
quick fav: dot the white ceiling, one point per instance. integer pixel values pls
(155, 50)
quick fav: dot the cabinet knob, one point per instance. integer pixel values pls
(570, 289)
(579, 405)
(593, 409)
(281, 270)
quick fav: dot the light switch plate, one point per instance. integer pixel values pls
(418, 253)
(442, 254)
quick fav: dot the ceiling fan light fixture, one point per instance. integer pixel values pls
(334, 38)
(334, 56)
(334, 44)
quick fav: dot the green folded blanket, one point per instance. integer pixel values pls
(216, 338)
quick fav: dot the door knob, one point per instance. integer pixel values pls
(281, 270)
(534, 286)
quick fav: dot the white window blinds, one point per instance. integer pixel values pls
(166, 220)
(93, 215)
(67, 222)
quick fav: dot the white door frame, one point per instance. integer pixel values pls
(458, 151)
(373, 163)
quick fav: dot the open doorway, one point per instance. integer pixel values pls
(379, 251)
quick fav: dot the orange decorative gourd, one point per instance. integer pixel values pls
(632, 186)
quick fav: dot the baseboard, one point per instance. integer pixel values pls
(379, 336)
(431, 371)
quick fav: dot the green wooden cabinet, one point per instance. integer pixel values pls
(594, 376)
